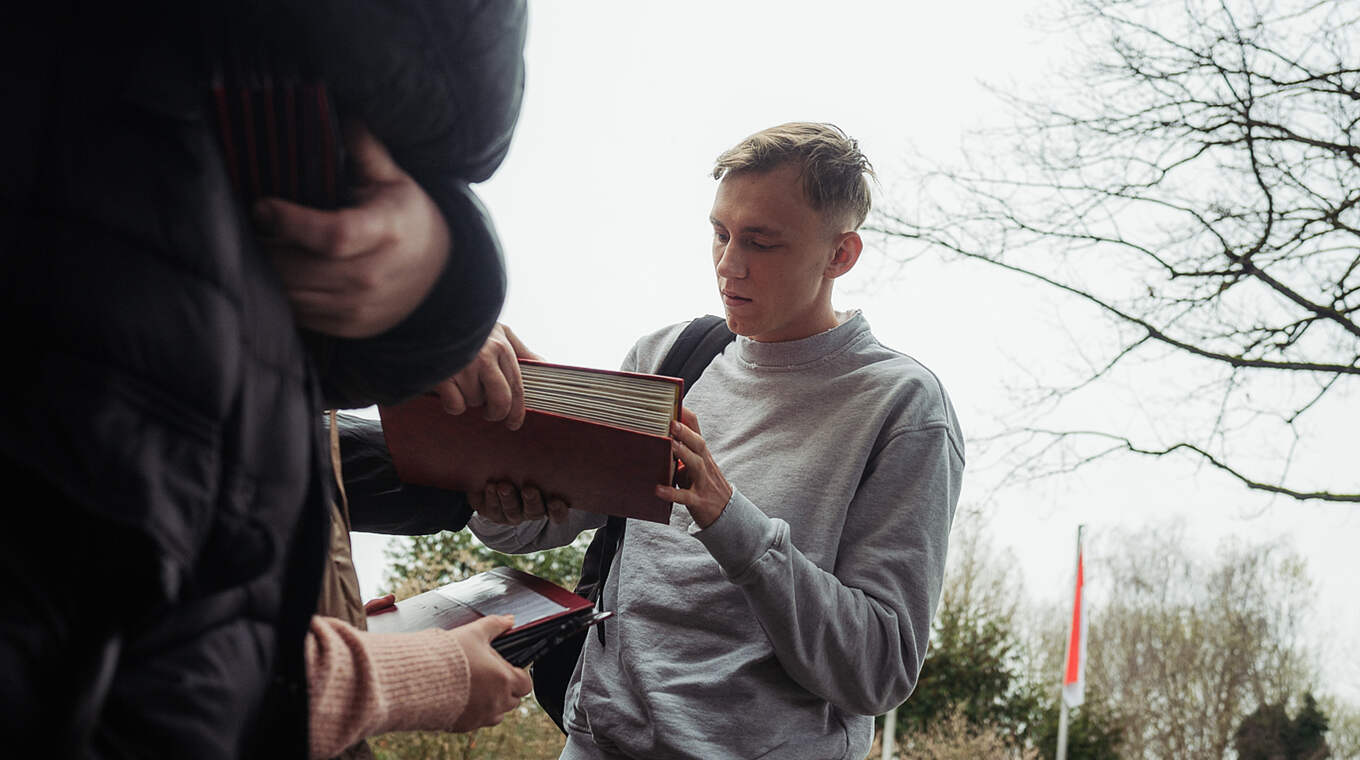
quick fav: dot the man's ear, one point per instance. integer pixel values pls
(846, 254)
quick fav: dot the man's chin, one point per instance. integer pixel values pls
(738, 325)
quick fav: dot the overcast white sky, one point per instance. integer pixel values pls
(603, 201)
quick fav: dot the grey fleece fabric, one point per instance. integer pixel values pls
(804, 609)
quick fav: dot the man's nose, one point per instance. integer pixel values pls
(731, 264)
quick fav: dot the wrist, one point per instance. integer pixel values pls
(707, 513)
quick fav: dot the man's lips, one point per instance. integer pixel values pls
(731, 299)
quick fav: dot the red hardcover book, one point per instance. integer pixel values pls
(599, 439)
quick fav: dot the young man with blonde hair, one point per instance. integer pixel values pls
(790, 597)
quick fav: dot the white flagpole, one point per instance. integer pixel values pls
(1076, 634)
(889, 734)
(1062, 729)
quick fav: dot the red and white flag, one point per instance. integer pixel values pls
(1074, 668)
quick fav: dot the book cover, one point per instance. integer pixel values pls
(545, 614)
(603, 467)
(277, 125)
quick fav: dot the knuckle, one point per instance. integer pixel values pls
(341, 235)
(366, 279)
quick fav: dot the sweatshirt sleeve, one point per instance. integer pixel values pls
(533, 535)
(361, 684)
(856, 636)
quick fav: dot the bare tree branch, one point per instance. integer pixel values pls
(1200, 187)
(1120, 443)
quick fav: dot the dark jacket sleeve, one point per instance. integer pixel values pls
(440, 84)
(378, 501)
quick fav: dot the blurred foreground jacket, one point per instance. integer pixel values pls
(166, 515)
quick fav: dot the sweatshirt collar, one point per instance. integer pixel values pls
(792, 353)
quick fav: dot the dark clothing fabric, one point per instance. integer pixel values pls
(378, 501)
(168, 481)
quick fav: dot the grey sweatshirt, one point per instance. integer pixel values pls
(805, 608)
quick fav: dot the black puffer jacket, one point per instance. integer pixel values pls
(165, 518)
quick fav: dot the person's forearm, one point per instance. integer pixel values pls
(361, 684)
(856, 638)
(378, 501)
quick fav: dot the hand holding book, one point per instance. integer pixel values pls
(491, 381)
(704, 490)
(596, 440)
(507, 504)
(501, 683)
(543, 613)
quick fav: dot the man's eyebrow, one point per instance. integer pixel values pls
(754, 228)
(759, 230)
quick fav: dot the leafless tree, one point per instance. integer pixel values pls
(1343, 727)
(1184, 645)
(1198, 184)
(1189, 648)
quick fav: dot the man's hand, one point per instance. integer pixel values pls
(495, 687)
(359, 271)
(504, 504)
(708, 491)
(491, 380)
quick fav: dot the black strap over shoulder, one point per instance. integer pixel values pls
(691, 353)
(688, 356)
(695, 348)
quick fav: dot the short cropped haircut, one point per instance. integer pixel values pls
(834, 171)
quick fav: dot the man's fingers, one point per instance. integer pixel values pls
(498, 389)
(510, 382)
(329, 313)
(534, 508)
(470, 385)
(355, 277)
(669, 493)
(690, 419)
(344, 233)
(287, 223)
(690, 438)
(371, 160)
(299, 270)
(514, 511)
(491, 507)
(451, 397)
(557, 510)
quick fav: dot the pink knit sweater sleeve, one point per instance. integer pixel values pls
(361, 683)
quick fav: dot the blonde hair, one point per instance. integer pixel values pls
(833, 170)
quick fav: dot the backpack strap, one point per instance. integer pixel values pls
(693, 350)
(697, 345)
